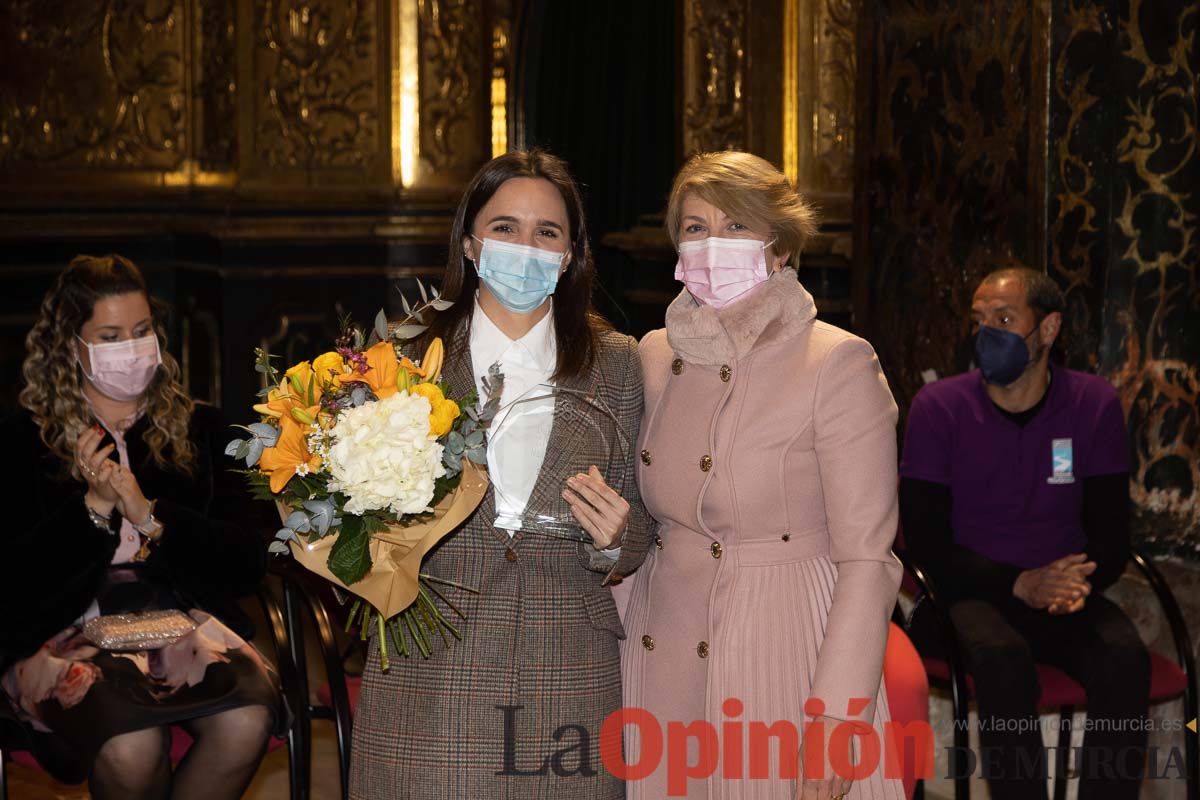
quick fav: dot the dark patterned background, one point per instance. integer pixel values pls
(1061, 136)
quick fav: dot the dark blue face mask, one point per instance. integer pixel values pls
(1002, 355)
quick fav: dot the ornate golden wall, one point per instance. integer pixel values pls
(296, 101)
(1062, 136)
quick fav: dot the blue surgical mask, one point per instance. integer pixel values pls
(1002, 355)
(519, 277)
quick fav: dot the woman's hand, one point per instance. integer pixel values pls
(132, 504)
(600, 510)
(96, 469)
(831, 784)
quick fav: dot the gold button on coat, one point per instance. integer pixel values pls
(716, 549)
(510, 554)
(706, 464)
(726, 372)
(658, 542)
(677, 366)
(702, 649)
(646, 457)
(648, 642)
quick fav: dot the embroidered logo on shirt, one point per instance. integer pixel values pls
(1062, 462)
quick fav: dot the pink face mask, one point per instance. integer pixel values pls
(718, 271)
(122, 370)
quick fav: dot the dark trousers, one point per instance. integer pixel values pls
(1097, 646)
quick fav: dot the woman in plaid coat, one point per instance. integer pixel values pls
(514, 708)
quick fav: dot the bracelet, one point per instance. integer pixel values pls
(151, 528)
(102, 522)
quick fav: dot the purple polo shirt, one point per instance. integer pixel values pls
(1017, 493)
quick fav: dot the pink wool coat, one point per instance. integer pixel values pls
(768, 456)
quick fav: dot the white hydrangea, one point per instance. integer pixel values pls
(382, 456)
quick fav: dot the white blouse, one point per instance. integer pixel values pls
(519, 433)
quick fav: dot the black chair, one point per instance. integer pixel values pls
(1168, 679)
(302, 603)
(297, 745)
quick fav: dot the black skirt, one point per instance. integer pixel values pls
(71, 697)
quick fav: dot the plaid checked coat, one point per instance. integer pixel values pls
(538, 667)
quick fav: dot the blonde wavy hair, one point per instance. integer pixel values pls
(53, 391)
(750, 190)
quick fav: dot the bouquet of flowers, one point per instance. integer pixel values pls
(371, 463)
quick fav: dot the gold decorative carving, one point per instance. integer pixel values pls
(451, 59)
(1158, 154)
(216, 86)
(833, 122)
(102, 86)
(714, 73)
(819, 93)
(317, 66)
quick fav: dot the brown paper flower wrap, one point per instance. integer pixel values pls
(392, 584)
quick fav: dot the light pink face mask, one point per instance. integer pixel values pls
(719, 271)
(122, 370)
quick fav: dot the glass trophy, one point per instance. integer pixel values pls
(579, 432)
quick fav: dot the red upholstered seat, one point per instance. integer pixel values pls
(325, 697)
(1060, 689)
(907, 689)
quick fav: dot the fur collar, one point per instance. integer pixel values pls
(777, 309)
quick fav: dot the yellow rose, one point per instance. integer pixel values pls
(442, 412)
(441, 420)
(429, 391)
(328, 366)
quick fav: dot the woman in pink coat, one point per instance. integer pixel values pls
(768, 456)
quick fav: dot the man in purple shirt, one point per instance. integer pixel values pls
(1014, 496)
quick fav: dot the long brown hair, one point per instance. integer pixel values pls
(575, 321)
(53, 391)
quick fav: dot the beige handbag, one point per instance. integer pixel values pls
(146, 630)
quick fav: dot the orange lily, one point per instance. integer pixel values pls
(280, 401)
(289, 452)
(383, 370)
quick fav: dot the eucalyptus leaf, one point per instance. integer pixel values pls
(321, 514)
(381, 325)
(298, 521)
(409, 331)
(231, 449)
(286, 535)
(478, 455)
(254, 452)
(243, 449)
(449, 459)
(474, 439)
(268, 433)
(279, 548)
(358, 396)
